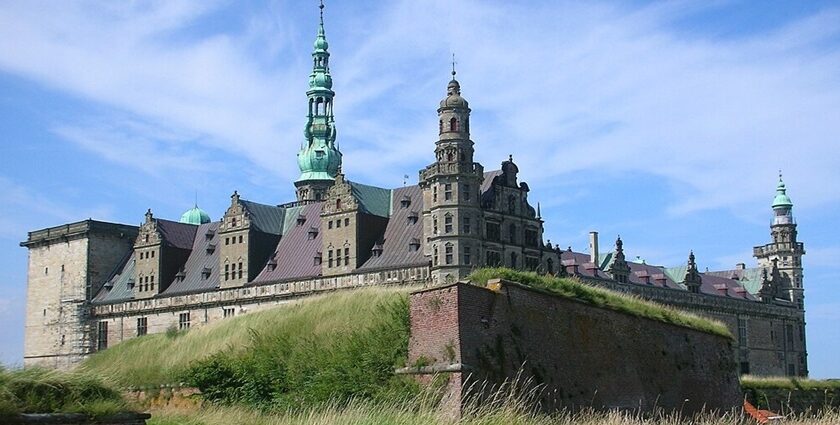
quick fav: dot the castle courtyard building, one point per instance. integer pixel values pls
(93, 284)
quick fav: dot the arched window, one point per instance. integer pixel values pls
(453, 124)
(449, 155)
(511, 204)
(513, 260)
(338, 204)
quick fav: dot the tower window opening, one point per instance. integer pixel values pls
(447, 223)
(448, 253)
(453, 124)
(338, 204)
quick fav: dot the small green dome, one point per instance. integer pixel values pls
(320, 80)
(318, 163)
(782, 200)
(195, 215)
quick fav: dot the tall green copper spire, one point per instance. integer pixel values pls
(319, 158)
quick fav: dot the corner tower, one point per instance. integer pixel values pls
(319, 158)
(784, 252)
(451, 205)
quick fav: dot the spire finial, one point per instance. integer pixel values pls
(453, 66)
(780, 174)
(321, 6)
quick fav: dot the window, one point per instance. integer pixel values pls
(466, 192)
(317, 259)
(435, 255)
(447, 223)
(346, 222)
(233, 222)
(453, 124)
(313, 233)
(494, 258)
(227, 269)
(346, 256)
(447, 191)
(338, 204)
(338, 223)
(338, 258)
(47, 270)
(513, 259)
(494, 232)
(240, 241)
(102, 336)
(448, 252)
(414, 245)
(229, 311)
(466, 229)
(789, 336)
(511, 204)
(467, 255)
(184, 321)
(329, 258)
(412, 217)
(434, 194)
(791, 370)
(153, 254)
(745, 368)
(531, 237)
(240, 271)
(512, 233)
(142, 326)
(434, 225)
(531, 263)
(742, 332)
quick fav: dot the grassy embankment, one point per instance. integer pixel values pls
(46, 391)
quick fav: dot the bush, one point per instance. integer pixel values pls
(46, 391)
(286, 369)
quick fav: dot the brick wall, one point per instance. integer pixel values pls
(583, 355)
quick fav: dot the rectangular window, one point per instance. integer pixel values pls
(467, 255)
(447, 191)
(448, 251)
(346, 222)
(466, 192)
(227, 270)
(434, 194)
(338, 223)
(240, 271)
(494, 259)
(153, 254)
(102, 336)
(227, 241)
(742, 332)
(447, 224)
(435, 255)
(142, 326)
(531, 237)
(229, 311)
(494, 232)
(240, 238)
(346, 256)
(329, 224)
(791, 370)
(338, 258)
(329, 258)
(789, 336)
(467, 227)
(184, 321)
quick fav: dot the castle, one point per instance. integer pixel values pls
(92, 284)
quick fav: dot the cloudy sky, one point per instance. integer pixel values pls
(666, 123)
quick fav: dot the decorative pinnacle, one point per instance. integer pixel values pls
(453, 66)
(322, 11)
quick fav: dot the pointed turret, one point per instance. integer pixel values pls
(619, 269)
(319, 158)
(692, 279)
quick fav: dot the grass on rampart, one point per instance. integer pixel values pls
(599, 297)
(36, 390)
(330, 347)
(788, 383)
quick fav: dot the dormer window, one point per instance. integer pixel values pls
(211, 248)
(209, 235)
(301, 219)
(413, 217)
(377, 249)
(313, 232)
(271, 265)
(406, 201)
(318, 258)
(414, 245)
(181, 275)
(205, 273)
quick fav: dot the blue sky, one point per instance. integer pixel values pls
(666, 123)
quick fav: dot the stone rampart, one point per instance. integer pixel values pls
(580, 355)
(75, 419)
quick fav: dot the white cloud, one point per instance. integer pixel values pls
(567, 87)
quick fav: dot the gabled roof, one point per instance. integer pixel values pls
(175, 234)
(488, 179)
(750, 278)
(294, 256)
(204, 255)
(117, 288)
(265, 218)
(372, 200)
(400, 233)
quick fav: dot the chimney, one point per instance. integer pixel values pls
(740, 266)
(593, 248)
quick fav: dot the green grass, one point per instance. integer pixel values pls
(157, 359)
(788, 383)
(570, 288)
(36, 390)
